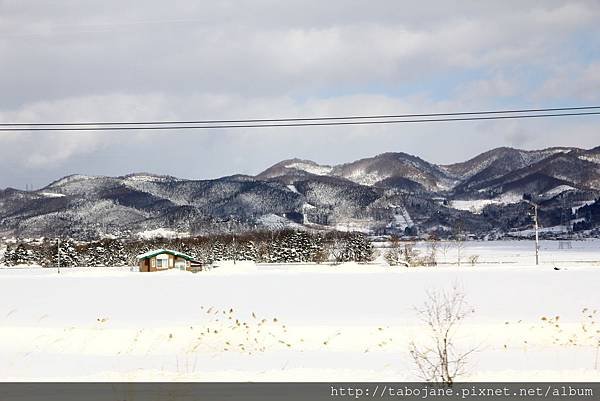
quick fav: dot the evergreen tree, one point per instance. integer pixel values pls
(69, 255)
(217, 251)
(18, 255)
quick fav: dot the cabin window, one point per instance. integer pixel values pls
(162, 261)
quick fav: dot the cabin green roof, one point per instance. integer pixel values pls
(153, 253)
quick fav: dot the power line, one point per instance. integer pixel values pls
(184, 127)
(275, 120)
(313, 124)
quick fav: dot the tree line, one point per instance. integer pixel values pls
(284, 246)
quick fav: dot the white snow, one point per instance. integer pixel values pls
(402, 218)
(51, 194)
(557, 191)
(360, 176)
(72, 178)
(156, 251)
(581, 204)
(473, 206)
(310, 168)
(594, 158)
(476, 206)
(298, 322)
(161, 233)
(354, 225)
(273, 221)
(531, 232)
(536, 156)
(144, 177)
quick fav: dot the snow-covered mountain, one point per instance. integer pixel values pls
(294, 167)
(384, 193)
(369, 171)
(500, 161)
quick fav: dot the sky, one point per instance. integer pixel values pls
(120, 60)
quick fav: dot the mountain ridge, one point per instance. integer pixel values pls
(386, 193)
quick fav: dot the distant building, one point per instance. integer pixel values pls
(438, 200)
(164, 259)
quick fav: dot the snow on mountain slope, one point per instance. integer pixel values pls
(82, 185)
(147, 177)
(476, 206)
(361, 176)
(591, 158)
(275, 222)
(71, 178)
(557, 191)
(51, 194)
(309, 167)
(369, 171)
(560, 168)
(592, 155)
(402, 218)
(499, 161)
(161, 233)
(387, 165)
(294, 167)
(491, 167)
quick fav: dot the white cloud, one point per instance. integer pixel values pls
(581, 81)
(155, 60)
(496, 87)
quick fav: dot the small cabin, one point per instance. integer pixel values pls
(164, 259)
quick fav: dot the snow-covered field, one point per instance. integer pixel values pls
(302, 322)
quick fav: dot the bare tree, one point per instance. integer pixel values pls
(393, 255)
(336, 250)
(459, 240)
(439, 360)
(411, 255)
(446, 245)
(433, 246)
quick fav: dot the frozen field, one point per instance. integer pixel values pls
(302, 322)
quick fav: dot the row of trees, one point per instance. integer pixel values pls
(402, 253)
(264, 247)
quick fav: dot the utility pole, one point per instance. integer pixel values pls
(537, 229)
(234, 250)
(537, 237)
(58, 254)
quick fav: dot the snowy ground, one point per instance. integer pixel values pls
(301, 322)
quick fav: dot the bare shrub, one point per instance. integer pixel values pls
(407, 255)
(473, 259)
(394, 255)
(411, 255)
(439, 360)
(446, 245)
(432, 251)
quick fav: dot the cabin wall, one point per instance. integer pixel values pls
(144, 265)
(150, 264)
